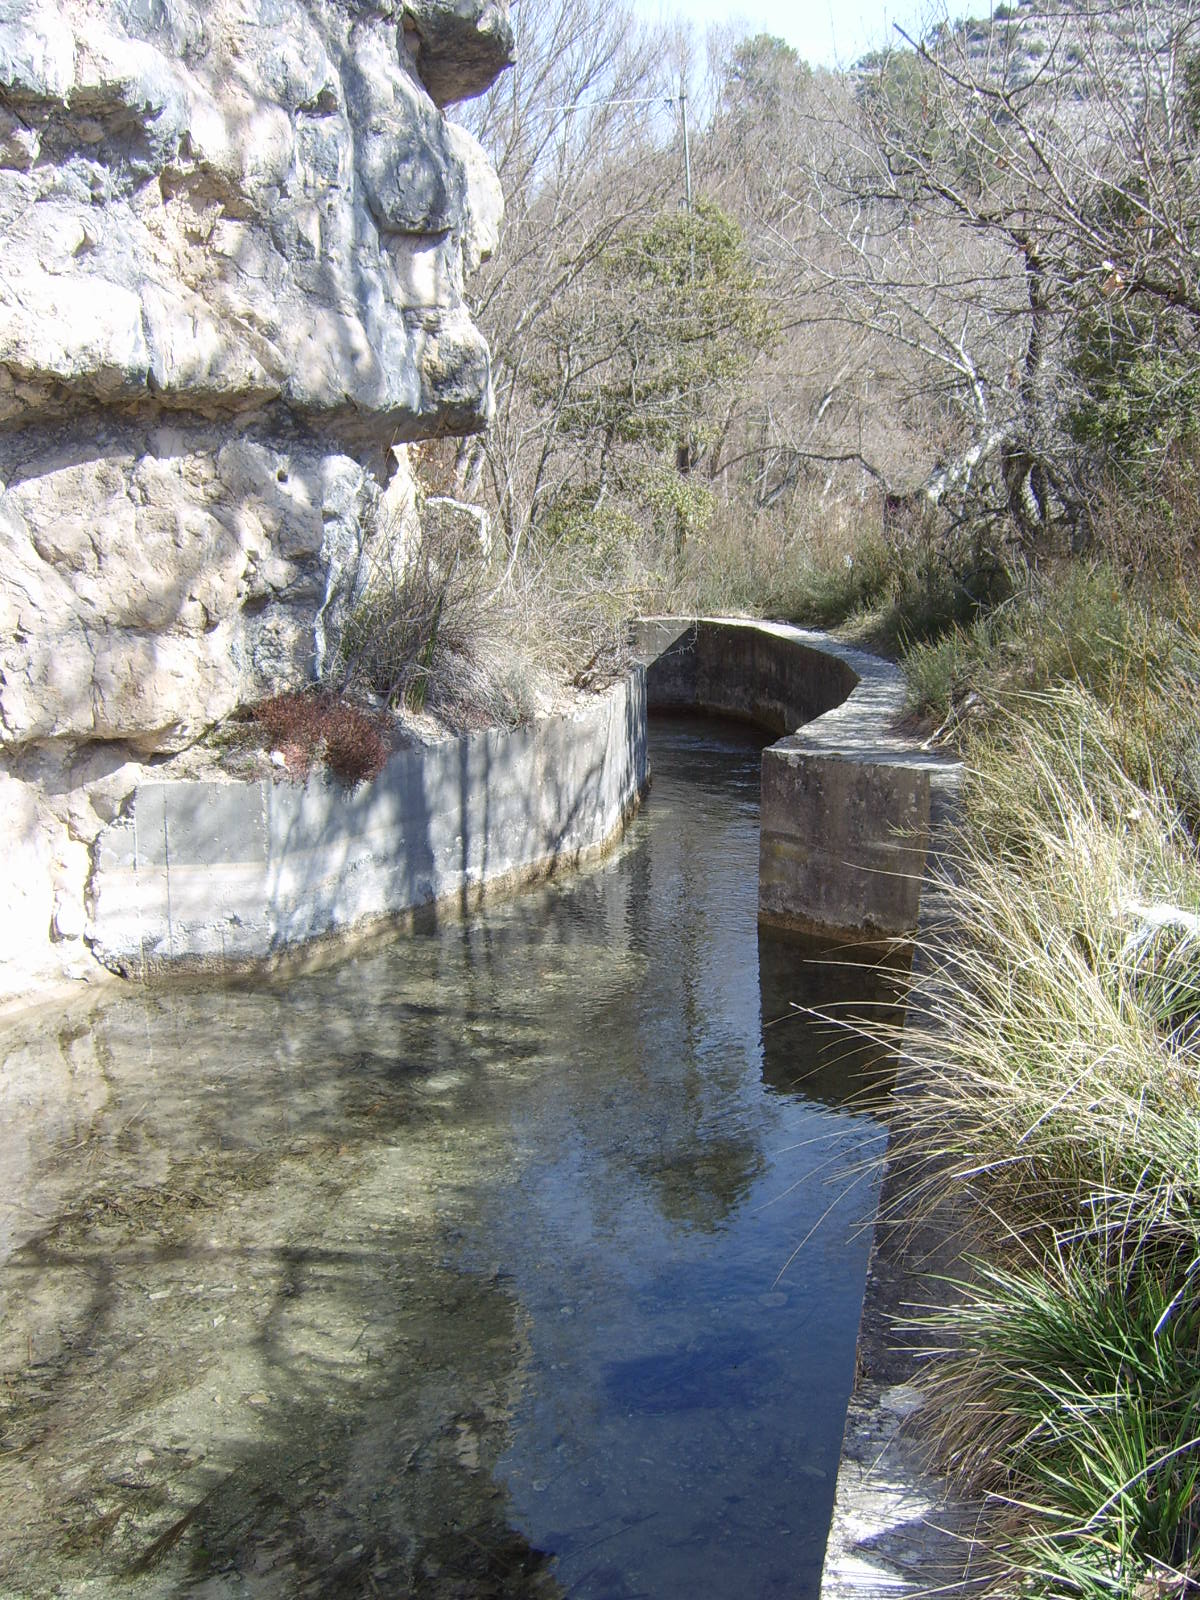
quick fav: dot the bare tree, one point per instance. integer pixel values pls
(577, 134)
(1017, 204)
(977, 254)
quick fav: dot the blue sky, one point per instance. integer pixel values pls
(825, 32)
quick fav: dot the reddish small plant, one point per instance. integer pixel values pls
(294, 724)
(307, 725)
(355, 750)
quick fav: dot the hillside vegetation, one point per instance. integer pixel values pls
(917, 357)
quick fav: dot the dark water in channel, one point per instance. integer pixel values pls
(520, 1258)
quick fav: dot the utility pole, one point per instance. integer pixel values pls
(687, 144)
(683, 450)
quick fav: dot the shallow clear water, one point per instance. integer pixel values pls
(519, 1257)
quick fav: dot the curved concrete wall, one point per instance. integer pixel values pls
(221, 875)
(850, 814)
(764, 672)
(845, 797)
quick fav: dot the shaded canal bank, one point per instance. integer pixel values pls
(466, 1267)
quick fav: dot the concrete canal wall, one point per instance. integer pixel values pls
(899, 1529)
(845, 796)
(220, 875)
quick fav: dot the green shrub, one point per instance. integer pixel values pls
(914, 585)
(1137, 658)
(593, 532)
(826, 592)
(1140, 392)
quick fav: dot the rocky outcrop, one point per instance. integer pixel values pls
(236, 236)
(458, 46)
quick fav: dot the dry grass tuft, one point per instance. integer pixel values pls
(1061, 1112)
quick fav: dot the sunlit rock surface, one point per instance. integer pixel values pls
(235, 241)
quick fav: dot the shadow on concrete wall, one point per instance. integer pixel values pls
(217, 874)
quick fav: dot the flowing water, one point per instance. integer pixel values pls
(518, 1257)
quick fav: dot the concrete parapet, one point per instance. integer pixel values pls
(899, 1528)
(220, 875)
(845, 797)
(768, 673)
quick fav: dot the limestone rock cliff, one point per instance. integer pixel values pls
(235, 240)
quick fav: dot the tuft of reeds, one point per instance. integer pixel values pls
(1057, 1049)
(436, 628)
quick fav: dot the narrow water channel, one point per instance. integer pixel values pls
(520, 1258)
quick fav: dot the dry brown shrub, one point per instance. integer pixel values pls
(306, 726)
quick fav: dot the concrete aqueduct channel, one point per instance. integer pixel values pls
(226, 876)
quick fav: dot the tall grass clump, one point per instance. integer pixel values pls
(814, 564)
(413, 635)
(892, 588)
(439, 626)
(1135, 651)
(1058, 1047)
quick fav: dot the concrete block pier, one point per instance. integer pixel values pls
(845, 815)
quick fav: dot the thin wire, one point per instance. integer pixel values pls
(648, 100)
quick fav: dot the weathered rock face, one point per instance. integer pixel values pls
(235, 241)
(458, 45)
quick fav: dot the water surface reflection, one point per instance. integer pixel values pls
(467, 1267)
